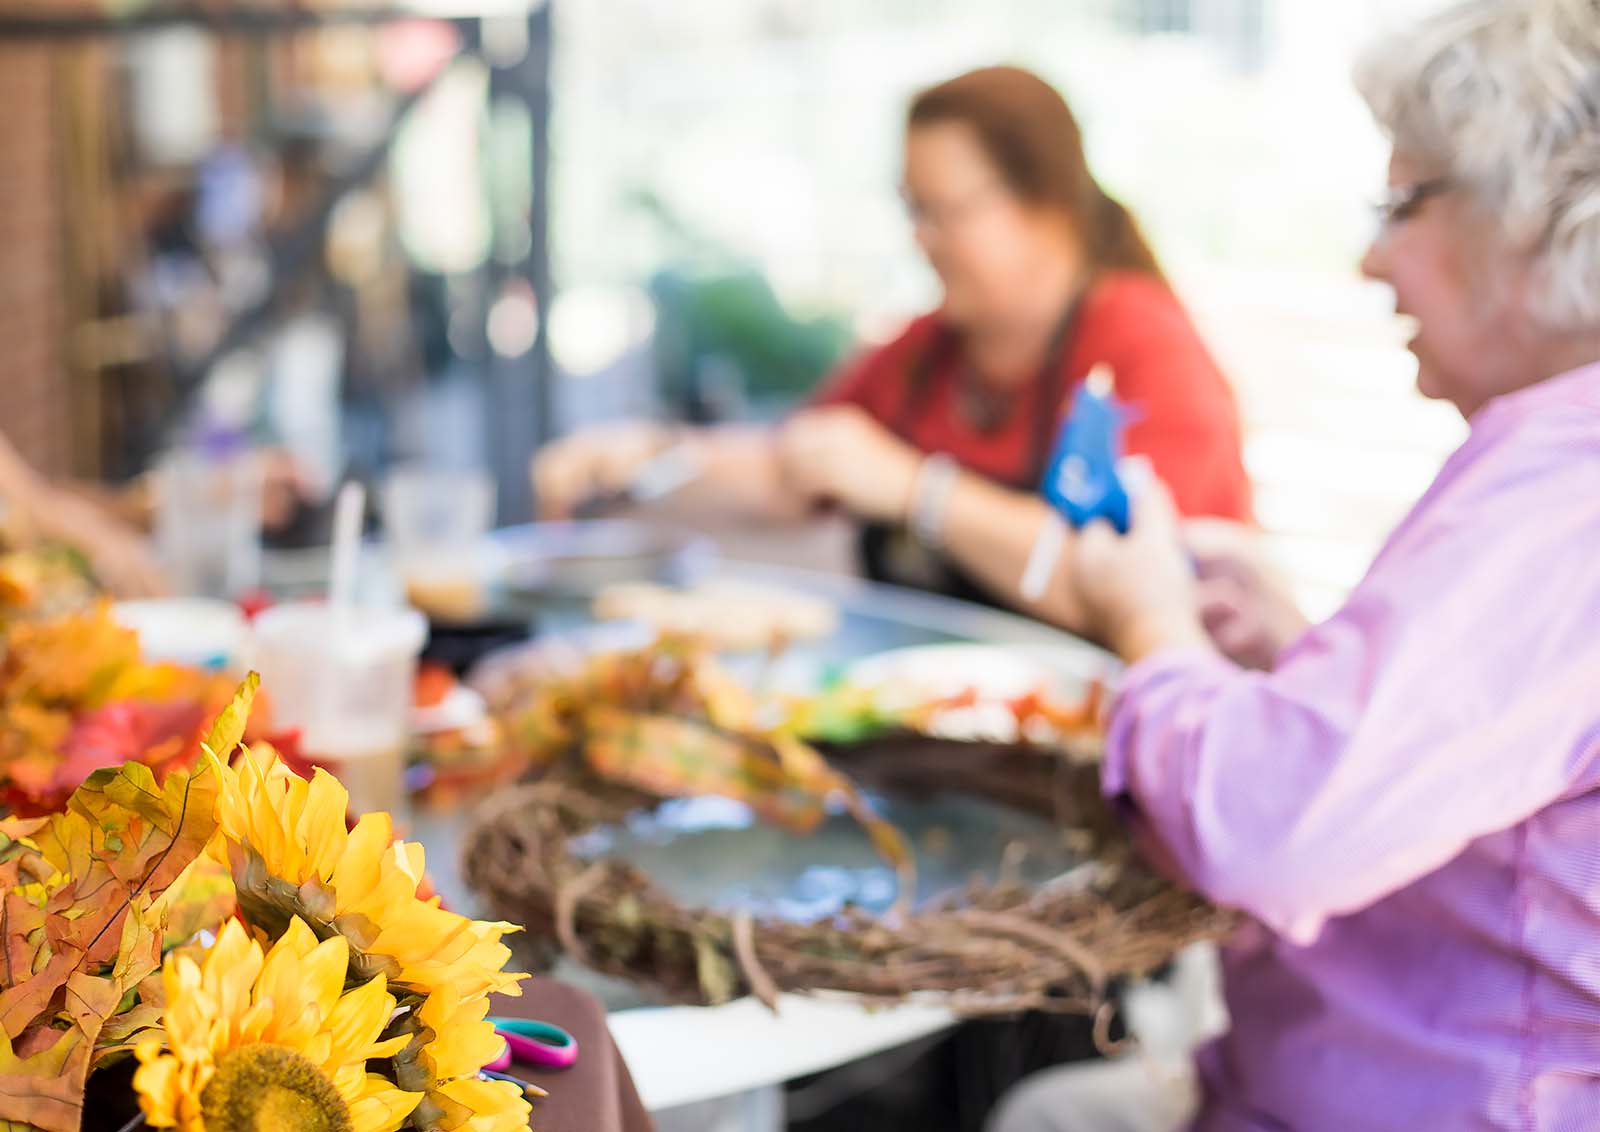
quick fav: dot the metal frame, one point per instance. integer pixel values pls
(517, 393)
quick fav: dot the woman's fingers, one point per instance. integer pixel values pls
(1222, 546)
(554, 474)
(589, 464)
(143, 577)
(1234, 622)
(122, 559)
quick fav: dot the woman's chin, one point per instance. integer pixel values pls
(1428, 383)
(957, 309)
(1436, 386)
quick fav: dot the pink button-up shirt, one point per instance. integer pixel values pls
(1409, 804)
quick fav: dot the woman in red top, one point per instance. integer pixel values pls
(945, 431)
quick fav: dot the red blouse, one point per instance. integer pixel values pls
(1184, 417)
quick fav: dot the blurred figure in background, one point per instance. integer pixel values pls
(936, 443)
(1406, 802)
(117, 553)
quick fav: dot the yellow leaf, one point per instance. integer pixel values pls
(228, 730)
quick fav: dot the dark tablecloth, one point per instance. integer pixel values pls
(596, 1094)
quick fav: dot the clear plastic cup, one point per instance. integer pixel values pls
(347, 686)
(436, 520)
(208, 520)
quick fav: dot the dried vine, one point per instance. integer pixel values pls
(995, 947)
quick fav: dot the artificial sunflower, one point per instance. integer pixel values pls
(255, 1042)
(291, 855)
(453, 1040)
(292, 859)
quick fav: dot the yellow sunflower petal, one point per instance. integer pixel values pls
(381, 1107)
(189, 1012)
(280, 981)
(357, 872)
(321, 825)
(413, 859)
(463, 1040)
(323, 973)
(231, 968)
(291, 805)
(464, 1049)
(156, 1082)
(483, 1106)
(358, 1019)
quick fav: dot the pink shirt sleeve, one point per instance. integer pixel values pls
(1454, 695)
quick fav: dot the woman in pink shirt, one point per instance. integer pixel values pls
(1406, 802)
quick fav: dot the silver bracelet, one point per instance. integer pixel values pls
(930, 493)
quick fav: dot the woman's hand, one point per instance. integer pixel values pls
(1244, 604)
(840, 455)
(1137, 591)
(592, 464)
(119, 555)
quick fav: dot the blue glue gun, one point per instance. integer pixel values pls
(1081, 480)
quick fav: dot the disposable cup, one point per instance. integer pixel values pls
(345, 680)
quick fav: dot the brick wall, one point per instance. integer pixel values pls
(33, 407)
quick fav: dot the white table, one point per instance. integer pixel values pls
(741, 1053)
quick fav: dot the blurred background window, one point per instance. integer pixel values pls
(366, 239)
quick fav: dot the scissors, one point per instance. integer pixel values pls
(536, 1043)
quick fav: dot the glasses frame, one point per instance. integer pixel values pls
(946, 216)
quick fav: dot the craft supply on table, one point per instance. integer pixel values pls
(1081, 482)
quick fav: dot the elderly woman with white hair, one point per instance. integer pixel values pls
(1406, 802)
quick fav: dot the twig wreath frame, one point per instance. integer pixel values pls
(995, 947)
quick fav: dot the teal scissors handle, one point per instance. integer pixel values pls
(537, 1043)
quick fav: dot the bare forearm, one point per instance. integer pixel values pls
(738, 474)
(990, 531)
(19, 484)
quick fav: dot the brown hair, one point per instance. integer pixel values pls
(1030, 134)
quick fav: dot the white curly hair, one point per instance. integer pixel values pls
(1504, 97)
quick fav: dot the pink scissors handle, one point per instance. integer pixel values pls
(553, 1054)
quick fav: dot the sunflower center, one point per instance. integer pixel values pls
(261, 1088)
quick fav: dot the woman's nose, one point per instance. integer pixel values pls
(1375, 263)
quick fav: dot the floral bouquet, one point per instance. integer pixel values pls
(257, 963)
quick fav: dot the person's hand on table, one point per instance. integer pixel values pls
(1137, 591)
(119, 555)
(840, 455)
(591, 464)
(1244, 604)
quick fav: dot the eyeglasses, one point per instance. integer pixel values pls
(945, 215)
(1404, 201)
